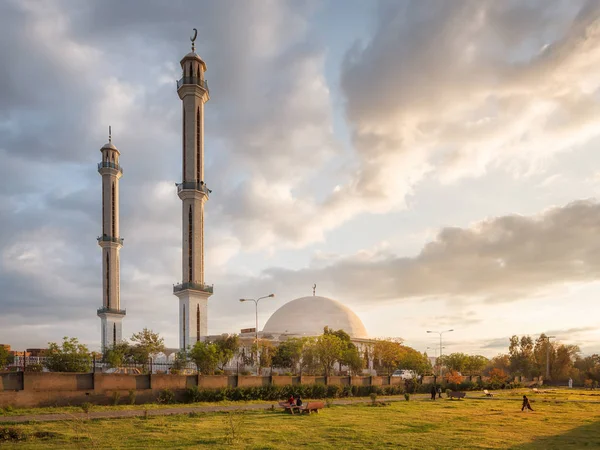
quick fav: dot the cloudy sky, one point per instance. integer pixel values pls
(431, 164)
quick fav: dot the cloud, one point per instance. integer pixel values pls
(453, 88)
(500, 259)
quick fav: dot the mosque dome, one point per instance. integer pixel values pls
(307, 316)
(110, 146)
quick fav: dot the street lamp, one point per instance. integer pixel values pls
(256, 311)
(435, 350)
(440, 333)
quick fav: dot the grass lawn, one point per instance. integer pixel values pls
(418, 424)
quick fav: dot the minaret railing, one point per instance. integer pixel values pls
(110, 165)
(193, 80)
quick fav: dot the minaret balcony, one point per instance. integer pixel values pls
(109, 165)
(193, 80)
(105, 310)
(193, 287)
(193, 186)
(106, 238)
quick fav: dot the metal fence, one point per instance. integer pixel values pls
(154, 366)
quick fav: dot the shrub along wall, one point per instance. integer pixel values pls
(50, 389)
(30, 389)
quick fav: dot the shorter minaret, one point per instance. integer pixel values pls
(111, 313)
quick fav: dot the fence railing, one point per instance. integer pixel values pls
(193, 286)
(109, 165)
(193, 185)
(105, 238)
(193, 80)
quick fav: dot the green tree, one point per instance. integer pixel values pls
(309, 363)
(352, 359)
(288, 354)
(418, 362)
(455, 361)
(147, 344)
(206, 356)
(328, 350)
(475, 364)
(387, 354)
(71, 356)
(5, 357)
(228, 345)
(118, 354)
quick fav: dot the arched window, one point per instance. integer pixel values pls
(190, 242)
(198, 323)
(184, 326)
(114, 213)
(107, 281)
(114, 333)
(198, 145)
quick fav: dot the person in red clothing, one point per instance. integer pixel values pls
(291, 400)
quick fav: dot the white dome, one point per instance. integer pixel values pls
(309, 315)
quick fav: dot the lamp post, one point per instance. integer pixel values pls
(440, 333)
(256, 324)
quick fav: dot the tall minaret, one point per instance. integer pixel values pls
(111, 313)
(193, 293)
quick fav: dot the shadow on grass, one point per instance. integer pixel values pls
(586, 436)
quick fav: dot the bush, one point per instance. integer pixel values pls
(131, 397)
(9, 434)
(448, 392)
(116, 396)
(245, 372)
(466, 386)
(166, 396)
(406, 396)
(34, 368)
(373, 397)
(219, 372)
(87, 407)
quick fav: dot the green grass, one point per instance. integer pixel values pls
(420, 424)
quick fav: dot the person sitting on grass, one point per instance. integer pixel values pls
(526, 404)
(298, 401)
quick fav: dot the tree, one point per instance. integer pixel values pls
(351, 358)
(118, 354)
(501, 362)
(309, 363)
(265, 352)
(5, 357)
(71, 356)
(455, 361)
(328, 349)
(206, 356)
(415, 361)
(148, 344)
(288, 354)
(453, 377)
(228, 346)
(388, 354)
(498, 376)
(522, 356)
(475, 364)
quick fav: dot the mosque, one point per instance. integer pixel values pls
(305, 316)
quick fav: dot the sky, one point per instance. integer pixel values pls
(430, 164)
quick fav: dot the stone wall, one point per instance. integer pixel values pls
(29, 389)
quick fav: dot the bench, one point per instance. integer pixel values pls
(487, 393)
(306, 408)
(456, 394)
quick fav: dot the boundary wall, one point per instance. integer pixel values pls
(33, 389)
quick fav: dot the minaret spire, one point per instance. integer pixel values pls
(110, 313)
(193, 292)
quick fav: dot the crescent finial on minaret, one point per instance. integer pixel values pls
(193, 39)
(314, 289)
(109, 134)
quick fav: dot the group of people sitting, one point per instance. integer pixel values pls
(295, 401)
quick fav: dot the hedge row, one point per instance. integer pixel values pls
(273, 393)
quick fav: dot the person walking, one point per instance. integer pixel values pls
(433, 392)
(439, 390)
(526, 404)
